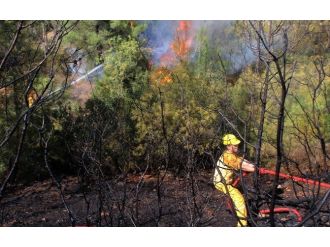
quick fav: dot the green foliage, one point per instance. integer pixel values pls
(180, 114)
(124, 78)
(133, 120)
(28, 67)
(308, 102)
(306, 111)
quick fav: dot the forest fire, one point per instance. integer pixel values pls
(177, 51)
(120, 123)
(180, 46)
(183, 39)
(162, 75)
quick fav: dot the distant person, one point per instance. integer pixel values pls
(229, 162)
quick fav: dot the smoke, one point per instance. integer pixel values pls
(220, 35)
(160, 34)
(226, 42)
(170, 41)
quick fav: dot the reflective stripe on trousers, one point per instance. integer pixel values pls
(238, 200)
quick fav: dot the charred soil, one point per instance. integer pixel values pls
(134, 200)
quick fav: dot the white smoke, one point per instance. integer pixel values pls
(220, 35)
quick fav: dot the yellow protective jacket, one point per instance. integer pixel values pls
(227, 163)
(223, 178)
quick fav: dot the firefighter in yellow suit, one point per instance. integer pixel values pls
(224, 173)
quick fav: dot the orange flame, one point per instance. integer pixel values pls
(183, 39)
(167, 59)
(180, 45)
(180, 48)
(162, 75)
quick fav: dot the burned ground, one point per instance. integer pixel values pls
(136, 200)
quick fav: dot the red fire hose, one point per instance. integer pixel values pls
(282, 210)
(294, 178)
(235, 183)
(264, 171)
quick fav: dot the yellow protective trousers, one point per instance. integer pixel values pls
(238, 200)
